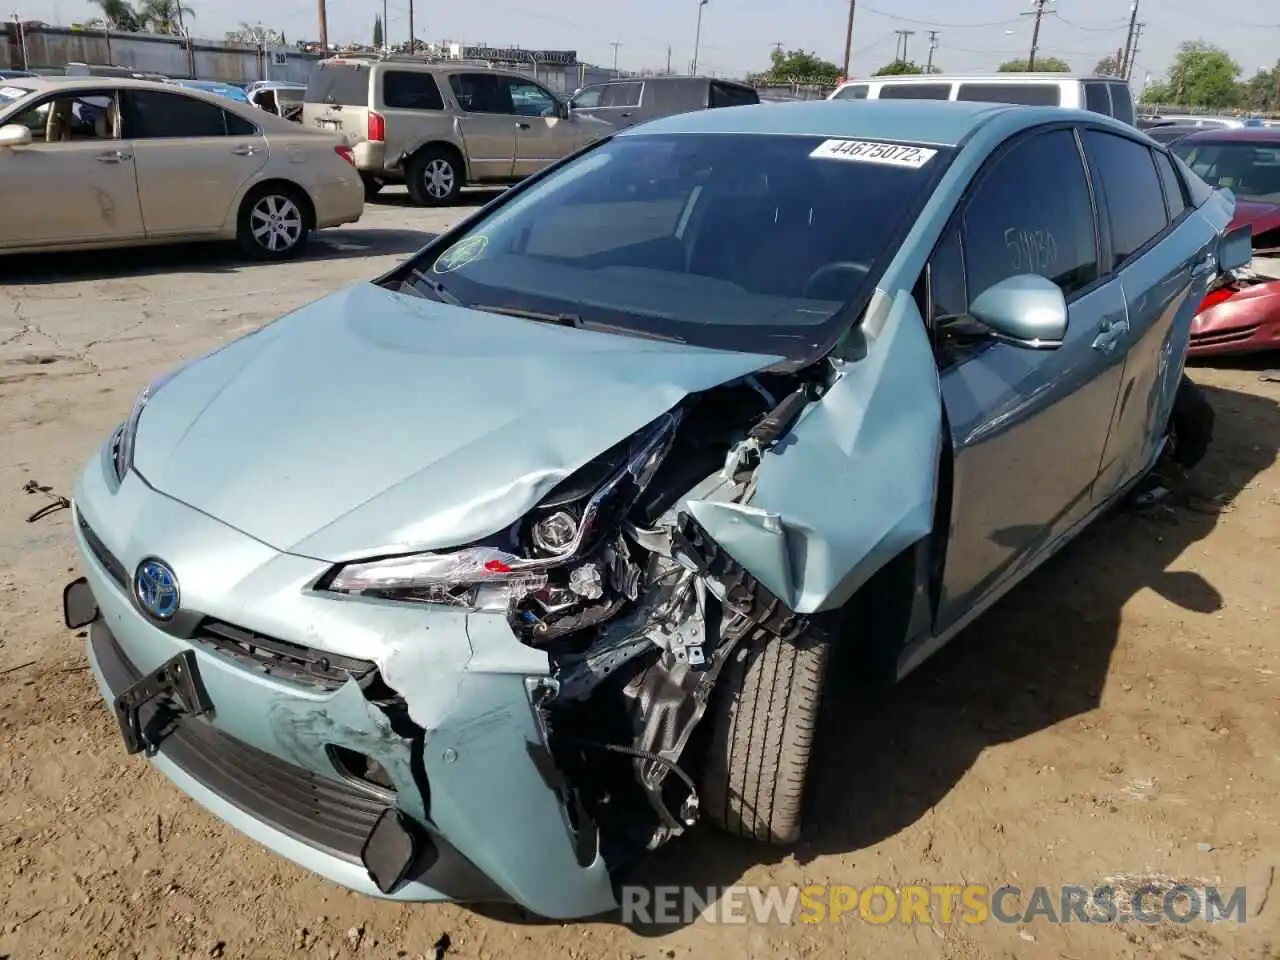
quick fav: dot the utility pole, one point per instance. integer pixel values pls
(615, 44)
(324, 26)
(668, 61)
(697, 38)
(1133, 54)
(386, 36)
(1126, 60)
(411, 41)
(848, 39)
(900, 52)
(933, 45)
(1038, 13)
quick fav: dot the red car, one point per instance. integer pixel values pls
(1242, 313)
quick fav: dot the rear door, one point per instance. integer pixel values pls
(75, 182)
(337, 100)
(193, 160)
(409, 101)
(1028, 427)
(488, 124)
(1159, 254)
(616, 103)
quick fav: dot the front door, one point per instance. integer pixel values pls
(1162, 258)
(543, 136)
(193, 159)
(1028, 426)
(487, 123)
(75, 182)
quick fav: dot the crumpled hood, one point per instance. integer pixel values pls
(373, 422)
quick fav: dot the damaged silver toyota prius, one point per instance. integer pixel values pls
(481, 580)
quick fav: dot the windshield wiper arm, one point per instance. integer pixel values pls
(563, 319)
(436, 287)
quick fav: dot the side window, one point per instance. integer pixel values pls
(1175, 198)
(1097, 99)
(1130, 187)
(170, 116)
(621, 95)
(1026, 94)
(1031, 213)
(1122, 104)
(410, 90)
(955, 333)
(725, 95)
(238, 126)
(588, 97)
(857, 91)
(86, 116)
(915, 91)
(530, 100)
(480, 92)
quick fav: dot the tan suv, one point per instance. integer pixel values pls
(435, 126)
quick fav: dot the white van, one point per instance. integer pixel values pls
(1107, 95)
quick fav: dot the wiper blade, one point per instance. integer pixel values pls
(563, 319)
(436, 287)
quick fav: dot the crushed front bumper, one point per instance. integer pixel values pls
(462, 761)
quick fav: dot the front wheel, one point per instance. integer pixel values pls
(764, 716)
(435, 178)
(273, 223)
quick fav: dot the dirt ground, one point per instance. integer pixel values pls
(1118, 716)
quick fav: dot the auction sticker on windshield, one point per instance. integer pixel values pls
(13, 93)
(866, 151)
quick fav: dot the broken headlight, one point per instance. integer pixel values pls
(573, 521)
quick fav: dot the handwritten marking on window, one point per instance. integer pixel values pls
(1031, 251)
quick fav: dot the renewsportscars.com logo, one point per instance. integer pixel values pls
(1149, 902)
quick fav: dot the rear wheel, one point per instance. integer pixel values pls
(274, 222)
(1189, 435)
(435, 177)
(764, 716)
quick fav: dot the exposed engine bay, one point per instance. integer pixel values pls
(636, 608)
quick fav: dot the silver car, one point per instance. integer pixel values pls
(480, 580)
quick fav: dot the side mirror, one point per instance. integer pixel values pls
(14, 135)
(1026, 311)
(1235, 249)
(563, 109)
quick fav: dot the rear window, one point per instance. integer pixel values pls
(915, 91)
(726, 95)
(1122, 104)
(345, 84)
(1097, 99)
(1025, 94)
(407, 90)
(857, 91)
(621, 95)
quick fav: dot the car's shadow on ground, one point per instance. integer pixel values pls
(203, 258)
(1037, 658)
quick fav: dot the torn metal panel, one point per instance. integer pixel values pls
(853, 483)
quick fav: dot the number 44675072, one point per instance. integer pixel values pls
(1033, 250)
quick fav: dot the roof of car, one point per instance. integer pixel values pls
(1233, 134)
(1037, 76)
(918, 121)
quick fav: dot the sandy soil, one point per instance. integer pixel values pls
(1117, 716)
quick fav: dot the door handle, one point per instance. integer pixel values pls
(113, 156)
(522, 125)
(245, 150)
(627, 114)
(1110, 334)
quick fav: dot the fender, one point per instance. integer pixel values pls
(854, 483)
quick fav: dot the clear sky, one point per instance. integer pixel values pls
(737, 35)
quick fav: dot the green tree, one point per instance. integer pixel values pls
(377, 32)
(1043, 65)
(118, 15)
(1262, 91)
(801, 65)
(165, 16)
(1108, 66)
(1203, 75)
(899, 68)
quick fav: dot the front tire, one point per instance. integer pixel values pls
(435, 177)
(764, 716)
(274, 222)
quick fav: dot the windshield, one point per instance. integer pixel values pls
(1249, 170)
(742, 242)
